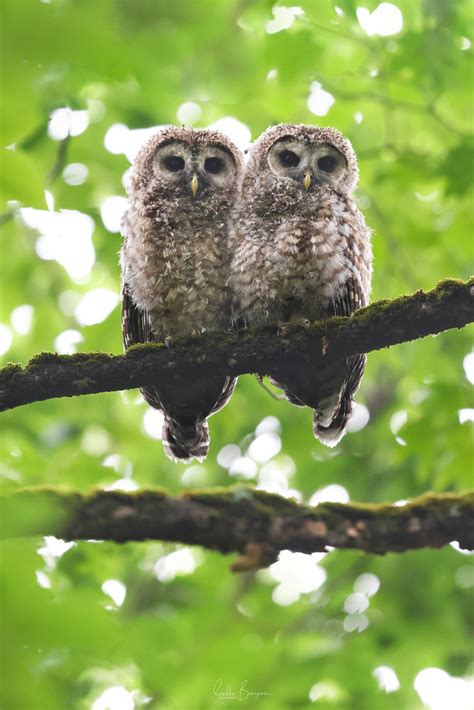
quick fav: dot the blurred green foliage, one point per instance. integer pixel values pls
(404, 100)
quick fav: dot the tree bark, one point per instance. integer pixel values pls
(253, 523)
(380, 325)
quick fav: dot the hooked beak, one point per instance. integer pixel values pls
(194, 184)
(308, 175)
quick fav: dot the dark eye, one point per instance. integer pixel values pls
(174, 163)
(327, 163)
(289, 159)
(214, 165)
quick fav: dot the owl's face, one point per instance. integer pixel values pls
(195, 170)
(297, 157)
(200, 165)
(308, 163)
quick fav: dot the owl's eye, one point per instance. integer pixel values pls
(214, 165)
(174, 163)
(327, 163)
(289, 159)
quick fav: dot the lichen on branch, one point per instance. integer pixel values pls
(255, 524)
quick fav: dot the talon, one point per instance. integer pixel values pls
(169, 341)
(283, 329)
(197, 332)
(304, 323)
(299, 321)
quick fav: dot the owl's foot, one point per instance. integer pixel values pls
(197, 332)
(169, 341)
(283, 329)
(300, 322)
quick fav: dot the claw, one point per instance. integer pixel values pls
(299, 321)
(169, 341)
(197, 332)
(283, 329)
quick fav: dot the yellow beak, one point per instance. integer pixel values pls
(307, 180)
(194, 184)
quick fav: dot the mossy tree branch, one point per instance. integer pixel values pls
(253, 523)
(380, 325)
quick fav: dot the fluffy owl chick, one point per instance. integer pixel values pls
(174, 267)
(301, 252)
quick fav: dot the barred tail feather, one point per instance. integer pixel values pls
(186, 441)
(330, 435)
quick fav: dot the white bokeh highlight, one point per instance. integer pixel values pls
(334, 493)
(95, 306)
(66, 342)
(367, 584)
(111, 212)
(121, 140)
(65, 237)
(180, 562)
(21, 319)
(64, 122)
(283, 18)
(153, 421)
(386, 678)
(319, 100)
(116, 590)
(75, 174)
(238, 132)
(466, 415)
(440, 691)
(189, 113)
(6, 339)
(468, 365)
(385, 20)
(359, 419)
(115, 698)
(264, 447)
(297, 574)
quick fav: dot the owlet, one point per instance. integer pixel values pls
(301, 252)
(174, 268)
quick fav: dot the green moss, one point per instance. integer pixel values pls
(426, 503)
(143, 348)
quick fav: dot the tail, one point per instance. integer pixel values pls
(331, 434)
(185, 441)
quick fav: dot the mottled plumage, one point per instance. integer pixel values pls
(300, 252)
(174, 267)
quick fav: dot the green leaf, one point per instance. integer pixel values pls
(21, 179)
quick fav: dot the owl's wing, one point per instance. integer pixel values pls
(226, 394)
(350, 299)
(136, 328)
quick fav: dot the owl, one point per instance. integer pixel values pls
(301, 252)
(174, 263)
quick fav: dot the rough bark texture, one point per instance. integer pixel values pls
(253, 523)
(384, 323)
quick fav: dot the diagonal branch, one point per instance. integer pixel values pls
(254, 523)
(380, 325)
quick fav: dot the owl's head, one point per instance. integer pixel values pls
(310, 156)
(195, 164)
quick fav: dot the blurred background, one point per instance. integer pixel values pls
(117, 627)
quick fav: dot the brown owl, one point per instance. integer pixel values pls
(301, 252)
(174, 267)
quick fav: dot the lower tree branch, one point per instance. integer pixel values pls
(253, 523)
(380, 325)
